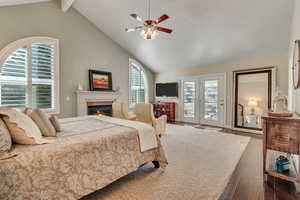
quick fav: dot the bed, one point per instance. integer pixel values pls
(90, 153)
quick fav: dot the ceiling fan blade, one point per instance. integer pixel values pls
(133, 29)
(162, 18)
(166, 30)
(138, 18)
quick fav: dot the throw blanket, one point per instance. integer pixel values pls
(147, 135)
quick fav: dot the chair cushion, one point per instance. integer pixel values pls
(131, 116)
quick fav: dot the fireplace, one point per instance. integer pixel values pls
(93, 99)
(96, 108)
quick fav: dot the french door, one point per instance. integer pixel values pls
(212, 102)
(203, 100)
(190, 104)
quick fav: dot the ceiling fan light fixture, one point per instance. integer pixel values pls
(149, 33)
(149, 27)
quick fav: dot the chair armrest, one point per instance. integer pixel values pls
(160, 124)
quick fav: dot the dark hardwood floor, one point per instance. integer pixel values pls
(247, 180)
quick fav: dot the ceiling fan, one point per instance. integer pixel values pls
(149, 27)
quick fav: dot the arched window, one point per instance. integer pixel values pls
(29, 74)
(138, 84)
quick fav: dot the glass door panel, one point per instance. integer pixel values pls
(189, 96)
(212, 92)
(211, 100)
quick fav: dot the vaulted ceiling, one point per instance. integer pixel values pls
(205, 31)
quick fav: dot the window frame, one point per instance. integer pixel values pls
(135, 63)
(27, 43)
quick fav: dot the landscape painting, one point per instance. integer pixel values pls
(100, 81)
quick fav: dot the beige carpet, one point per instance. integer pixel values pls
(200, 166)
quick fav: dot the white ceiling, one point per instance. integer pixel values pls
(16, 2)
(205, 31)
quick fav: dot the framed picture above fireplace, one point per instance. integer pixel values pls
(100, 81)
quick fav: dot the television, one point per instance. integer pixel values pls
(167, 89)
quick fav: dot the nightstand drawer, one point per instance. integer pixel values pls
(283, 137)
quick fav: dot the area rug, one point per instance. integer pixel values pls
(200, 166)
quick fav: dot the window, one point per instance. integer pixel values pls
(29, 74)
(138, 84)
(189, 97)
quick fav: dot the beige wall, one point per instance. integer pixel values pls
(281, 62)
(82, 47)
(294, 95)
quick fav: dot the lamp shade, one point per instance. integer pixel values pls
(252, 103)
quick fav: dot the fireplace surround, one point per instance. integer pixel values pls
(94, 100)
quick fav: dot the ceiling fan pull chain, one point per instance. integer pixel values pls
(149, 9)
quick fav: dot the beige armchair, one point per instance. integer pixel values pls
(120, 111)
(144, 113)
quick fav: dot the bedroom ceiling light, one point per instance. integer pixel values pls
(148, 33)
(149, 27)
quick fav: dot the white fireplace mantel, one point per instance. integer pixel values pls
(83, 97)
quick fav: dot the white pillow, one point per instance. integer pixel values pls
(22, 128)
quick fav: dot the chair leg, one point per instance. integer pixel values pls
(156, 164)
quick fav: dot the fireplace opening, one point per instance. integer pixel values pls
(103, 108)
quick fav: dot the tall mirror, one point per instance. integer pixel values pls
(253, 94)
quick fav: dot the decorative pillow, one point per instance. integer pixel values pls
(54, 121)
(5, 139)
(21, 127)
(27, 110)
(42, 121)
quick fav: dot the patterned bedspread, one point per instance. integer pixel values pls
(86, 156)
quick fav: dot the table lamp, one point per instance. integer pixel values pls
(252, 104)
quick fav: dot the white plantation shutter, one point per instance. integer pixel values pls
(138, 87)
(42, 75)
(13, 79)
(29, 76)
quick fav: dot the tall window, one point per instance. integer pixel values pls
(29, 74)
(138, 84)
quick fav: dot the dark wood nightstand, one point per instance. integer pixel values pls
(281, 134)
